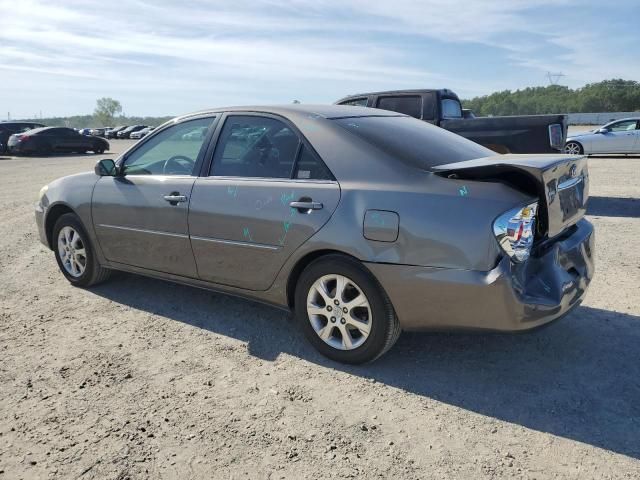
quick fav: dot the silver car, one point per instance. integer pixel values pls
(619, 136)
(363, 222)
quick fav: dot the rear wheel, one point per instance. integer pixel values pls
(573, 148)
(344, 312)
(75, 254)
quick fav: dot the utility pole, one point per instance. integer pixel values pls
(554, 77)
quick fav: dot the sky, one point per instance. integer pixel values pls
(169, 57)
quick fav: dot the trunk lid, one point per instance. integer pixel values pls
(561, 183)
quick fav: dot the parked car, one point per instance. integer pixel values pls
(513, 134)
(467, 113)
(112, 133)
(99, 132)
(47, 140)
(195, 134)
(9, 128)
(141, 133)
(619, 136)
(364, 222)
(125, 133)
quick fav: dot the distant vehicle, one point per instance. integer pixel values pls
(99, 132)
(113, 132)
(467, 113)
(619, 136)
(513, 134)
(47, 140)
(196, 134)
(9, 128)
(141, 133)
(129, 130)
(84, 131)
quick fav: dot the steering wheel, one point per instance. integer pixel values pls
(174, 165)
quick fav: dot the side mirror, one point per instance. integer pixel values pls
(106, 168)
(602, 130)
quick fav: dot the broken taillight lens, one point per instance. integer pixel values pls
(515, 230)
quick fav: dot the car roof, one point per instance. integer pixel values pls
(415, 91)
(44, 129)
(635, 119)
(298, 111)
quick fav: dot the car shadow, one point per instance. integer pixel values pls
(579, 378)
(614, 207)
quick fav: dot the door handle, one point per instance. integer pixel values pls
(174, 198)
(306, 206)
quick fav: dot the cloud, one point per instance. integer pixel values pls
(232, 52)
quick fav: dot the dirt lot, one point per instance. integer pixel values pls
(139, 378)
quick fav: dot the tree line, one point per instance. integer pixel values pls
(614, 95)
(108, 113)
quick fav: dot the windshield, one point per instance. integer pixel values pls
(414, 141)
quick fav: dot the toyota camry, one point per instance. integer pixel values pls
(363, 222)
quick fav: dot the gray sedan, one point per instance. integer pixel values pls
(619, 136)
(361, 221)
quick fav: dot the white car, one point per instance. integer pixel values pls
(141, 133)
(619, 136)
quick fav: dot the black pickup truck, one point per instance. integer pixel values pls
(513, 134)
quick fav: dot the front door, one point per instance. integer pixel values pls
(140, 217)
(619, 138)
(267, 193)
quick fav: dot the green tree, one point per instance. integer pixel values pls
(614, 95)
(106, 109)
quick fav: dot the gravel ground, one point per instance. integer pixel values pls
(139, 378)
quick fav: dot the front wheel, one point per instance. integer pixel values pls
(75, 254)
(573, 148)
(344, 312)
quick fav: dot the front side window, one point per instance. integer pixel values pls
(451, 108)
(356, 102)
(253, 146)
(407, 104)
(173, 151)
(623, 126)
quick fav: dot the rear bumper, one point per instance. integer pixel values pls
(511, 297)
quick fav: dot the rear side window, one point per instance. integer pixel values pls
(413, 141)
(263, 147)
(356, 102)
(451, 108)
(407, 104)
(253, 146)
(310, 167)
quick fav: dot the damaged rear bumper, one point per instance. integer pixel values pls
(511, 297)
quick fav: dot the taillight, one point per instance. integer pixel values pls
(556, 136)
(23, 138)
(515, 230)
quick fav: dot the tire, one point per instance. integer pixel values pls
(98, 151)
(91, 273)
(573, 148)
(371, 329)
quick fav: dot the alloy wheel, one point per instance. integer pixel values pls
(339, 312)
(71, 250)
(573, 148)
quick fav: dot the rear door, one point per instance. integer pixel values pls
(265, 193)
(140, 217)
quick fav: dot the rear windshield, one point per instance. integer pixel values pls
(414, 141)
